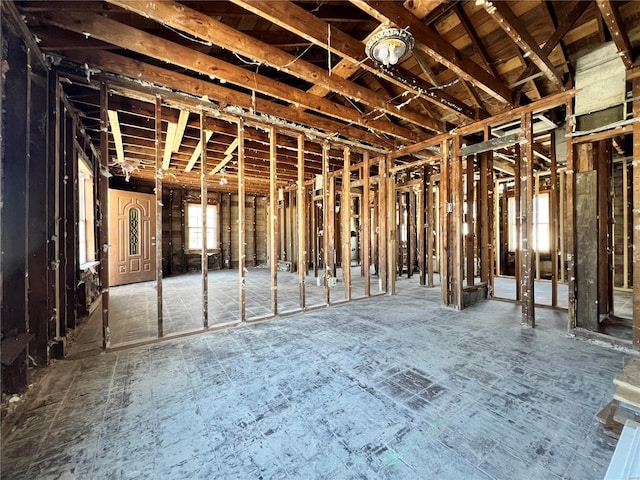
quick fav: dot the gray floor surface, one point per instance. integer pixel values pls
(390, 387)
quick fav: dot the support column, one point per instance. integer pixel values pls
(469, 240)
(327, 230)
(392, 252)
(445, 253)
(526, 223)
(158, 153)
(383, 224)
(302, 224)
(274, 246)
(569, 223)
(636, 213)
(103, 212)
(457, 200)
(553, 214)
(241, 226)
(430, 223)
(422, 234)
(365, 215)
(203, 205)
(345, 205)
(518, 247)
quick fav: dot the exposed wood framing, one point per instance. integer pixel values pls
(518, 32)
(445, 256)
(613, 19)
(204, 197)
(143, 43)
(327, 204)
(431, 209)
(383, 222)
(429, 41)
(636, 213)
(422, 234)
(569, 220)
(158, 212)
(274, 228)
(455, 223)
(470, 221)
(345, 228)
(526, 211)
(301, 223)
(554, 218)
(241, 226)
(392, 243)
(103, 213)
(365, 215)
(114, 123)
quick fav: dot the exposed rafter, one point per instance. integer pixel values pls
(146, 44)
(114, 123)
(206, 28)
(517, 31)
(431, 42)
(612, 18)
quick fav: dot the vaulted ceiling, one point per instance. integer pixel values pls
(301, 66)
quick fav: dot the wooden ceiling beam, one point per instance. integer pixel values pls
(206, 28)
(155, 47)
(429, 41)
(518, 33)
(169, 139)
(579, 7)
(611, 16)
(475, 39)
(297, 20)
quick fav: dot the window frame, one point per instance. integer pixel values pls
(210, 226)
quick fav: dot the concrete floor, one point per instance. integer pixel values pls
(392, 387)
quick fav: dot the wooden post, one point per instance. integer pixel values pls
(301, 210)
(430, 227)
(518, 226)
(103, 212)
(331, 230)
(553, 213)
(469, 240)
(327, 206)
(569, 223)
(70, 223)
(526, 211)
(636, 213)
(365, 215)
(383, 224)
(204, 202)
(411, 232)
(445, 253)
(158, 152)
(274, 246)
(536, 221)
(392, 252)
(456, 223)
(603, 160)
(422, 234)
(241, 226)
(345, 205)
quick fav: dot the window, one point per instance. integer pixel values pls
(194, 227)
(541, 233)
(86, 224)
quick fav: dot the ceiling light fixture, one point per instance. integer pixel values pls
(388, 46)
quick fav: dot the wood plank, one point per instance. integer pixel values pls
(475, 39)
(241, 226)
(208, 29)
(429, 41)
(301, 224)
(627, 395)
(158, 212)
(445, 252)
(204, 197)
(146, 44)
(517, 31)
(630, 375)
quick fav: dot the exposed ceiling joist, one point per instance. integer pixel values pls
(612, 18)
(297, 20)
(114, 123)
(434, 45)
(150, 45)
(169, 142)
(208, 29)
(198, 151)
(181, 126)
(517, 31)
